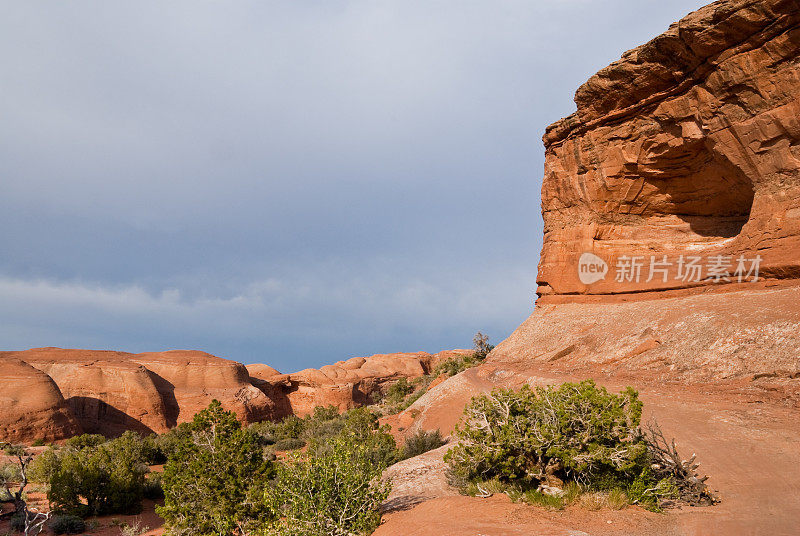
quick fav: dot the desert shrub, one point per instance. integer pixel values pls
(85, 441)
(650, 492)
(38, 443)
(422, 442)
(210, 476)
(534, 440)
(67, 524)
(290, 427)
(361, 425)
(579, 430)
(397, 392)
(90, 478)
(410, 399)
(152, 487)
(323, 422)
(289, 443)
(457, 364)
(133, 529)
(167, 443)
(43, 466)
(269, 433)
(575, 432)
(10, 472)
(333, 489)
(481, 346)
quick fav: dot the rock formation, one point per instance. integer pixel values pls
(32, 405)
(105, 390)
(345, 384)
(189, 380)
(688, 146)
(54, 393)
(110, 392)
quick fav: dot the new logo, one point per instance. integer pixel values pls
(591, 268)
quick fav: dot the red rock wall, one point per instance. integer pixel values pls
(688, 145)
(32, 406)
(110, 392)
(54, 393)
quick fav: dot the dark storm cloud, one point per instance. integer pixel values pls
(290, 182)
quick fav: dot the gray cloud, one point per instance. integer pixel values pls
(295, 182)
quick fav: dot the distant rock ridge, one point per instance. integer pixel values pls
(53, 393)
(345, 384)
(688, 146)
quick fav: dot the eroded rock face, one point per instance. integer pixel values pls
(54, 393)
(110, 392)
(105, 390)
(32, 405)
(345, 384)
(687, 146)
(189, 380)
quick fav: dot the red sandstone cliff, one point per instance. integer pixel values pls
(687, 146)
(32, 405)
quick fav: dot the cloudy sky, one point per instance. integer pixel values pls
(285, 182)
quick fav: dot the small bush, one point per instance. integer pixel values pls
(38, 443)
(91, 478)
(134, 529)
(482, 346)
(167, 443)
(397, 392)
(269, 433)
(615, 499)
(67, 524)
(579, 431)
(290, 443)
(457, 364)
(539, 442)
(85, 441)
(331, 490)
(651, 493)
(10, 472)
(537, 498)
(422, 442)
(152, 487)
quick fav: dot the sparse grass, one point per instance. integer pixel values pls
(572, 490)
(616, 499)
(134, 529)
(573, 494)
(537, 498)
